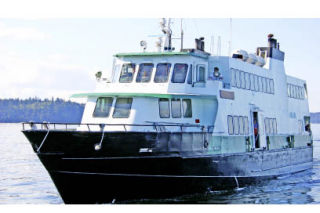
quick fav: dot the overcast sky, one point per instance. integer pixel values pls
(58, 57)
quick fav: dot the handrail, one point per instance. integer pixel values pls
(156, 126)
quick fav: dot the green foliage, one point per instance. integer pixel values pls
(37, 110)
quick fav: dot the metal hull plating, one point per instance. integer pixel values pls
(121, 171)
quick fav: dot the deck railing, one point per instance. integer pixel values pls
(154, 127)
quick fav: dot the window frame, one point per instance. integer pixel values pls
(168, 107)
(174, 99)
(173, 73)
(183, 109)
(236, 125)
(198, 73)
(230, 126)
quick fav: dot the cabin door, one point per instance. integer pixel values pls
(259, 139)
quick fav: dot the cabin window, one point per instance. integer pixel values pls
(305, 91)
(189, 81)
(164, 108)
(238, 79)
(103, 107)
(176, 108)
(251, 82)
(268, 85)
(264, 84)
(247, 78)
(246, 125)
(144, 73)
(307, 124)
(272, 86)
(230, 125)
(256, 83)
(179, 73)
(236, 125)
(242, 80)
(127, 73)
(266, 125)
(275, 126)
(162, 73)
(233, 77)
(241, 125)
(122, 108)
(187, 108)
(201, 73)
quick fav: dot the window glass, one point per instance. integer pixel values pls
(272, 86)
(230, 125)
(127, 73)
(189, 81)
(292, 91)
(242, 80)
(236, 125)
(237, 78)
(176, 108)
(266, 125)
(247, 77)
(187, 108)
(246, 125)
(264, 86)
(241, 125)
(268, 85)
(103, 107)
(256, 83)
(251, 82)
(162, 73)
(271, 125)
(164, 108)
(233, 78)
(179, 73)
(201, 72)
(260, 83)
(275, 126)
(122, 108)
(289, 90)
(144, 73)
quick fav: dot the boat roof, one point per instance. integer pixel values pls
(152, 54)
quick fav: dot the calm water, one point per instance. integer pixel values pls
(23, 179)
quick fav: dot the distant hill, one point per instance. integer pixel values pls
(37, 110)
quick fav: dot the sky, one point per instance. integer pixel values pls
(57, 57)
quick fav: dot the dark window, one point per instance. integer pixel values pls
(164, 108)
(127, 73)
(179, 73)
(122, 108)
(103, 106)
(162, 73)
(144, 73)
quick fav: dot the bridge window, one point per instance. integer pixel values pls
(187, 108)
(272, 86)
(238, 79)
(176, 108)
(242, 80)
(162, 73)
(144, 73)
(251, 82)
(164, 108)
(122, 108)
(201, 73)
(179, 73)
(103, 107)
(127, 73)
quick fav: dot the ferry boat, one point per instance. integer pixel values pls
(176, 122)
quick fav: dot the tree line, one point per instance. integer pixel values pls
(39, 110)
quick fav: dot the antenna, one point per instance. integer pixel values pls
(219, 46)
(230, 40)
(181, 36)
(212, 45)
(165, 27)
